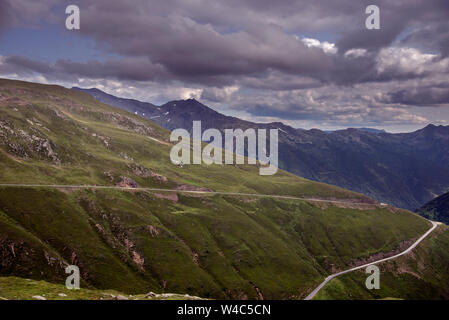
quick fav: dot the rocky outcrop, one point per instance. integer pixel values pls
(126, 182)
(143, 172)
(27, 144)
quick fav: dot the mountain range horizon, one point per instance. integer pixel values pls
(90, 185)
(224, 150)
(329, 156)
(92, 90)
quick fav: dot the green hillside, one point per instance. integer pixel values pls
(13, 288)
(53, 135)
(422, 274)
(135, 241)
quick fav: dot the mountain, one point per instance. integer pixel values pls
(436, 209)
(405, 170)
(73, 174)
(372, 130)
(173, 114)
(129, 105)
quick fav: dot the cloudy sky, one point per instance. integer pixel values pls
(306, 63)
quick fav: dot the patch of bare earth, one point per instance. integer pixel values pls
(357, 204)
(143, 172)
(126, 182)
(403, 245)
(167, 196)
(152, 230)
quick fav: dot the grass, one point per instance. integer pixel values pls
(419, 275)
(213, 246)
(14, 288)
(73, 118)
(135, 242)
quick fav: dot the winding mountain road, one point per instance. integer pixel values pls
(315, 291)
(329, 278)
(56, 186)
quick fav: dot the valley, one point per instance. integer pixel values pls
(405, 170)
(89, 184)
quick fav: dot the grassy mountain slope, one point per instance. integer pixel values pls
(405, 170)
(136, 241)
(422, 274)
(58, 136)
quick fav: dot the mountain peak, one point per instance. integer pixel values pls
(434, 128)
(89, 90)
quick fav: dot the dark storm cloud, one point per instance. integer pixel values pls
(215, 42)
(293, 113)
(27, 65)
(139, 69)
(5, 17)
(437, 95)
(432, 37)
(194, 51)
(179, 36)
(256, 46)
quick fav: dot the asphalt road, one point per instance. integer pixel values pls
(329, 278)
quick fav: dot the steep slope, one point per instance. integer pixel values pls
(405, 170)
(436, 209)
(208, 245)
(145, 109)
(58, 136)
(422, 274)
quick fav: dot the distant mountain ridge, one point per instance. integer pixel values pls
(218, 246)
(404, 169)
(179, 113)
(372, 130)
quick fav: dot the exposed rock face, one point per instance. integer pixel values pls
(153, 230)
(27, 144)
(138, 259)
(127, 122)
(126, 182)
(103, 139)
(381, 255)
(113, 232)
(109, 175)
(143, 172)
(125, 156)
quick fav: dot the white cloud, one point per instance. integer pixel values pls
(405, 60)
(219, 94)
(189, 93)
(355, 53)
(327, 47)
